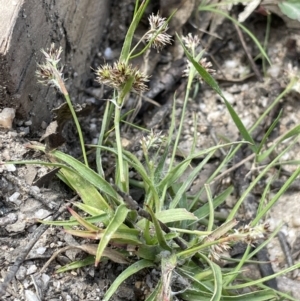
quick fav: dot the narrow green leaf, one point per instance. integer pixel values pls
(269, 131)
(83, 222)
(214, 85)
(154, 293)
(129, 36)
(91, 210)
(203, 211)
(87, 173)
(274, 199)
(217, 274)
(188, 182)
(176, 172)
(133, 269)
(77, 264)
(290, 8)
(170, 216)
(87, 191)
(95, 219)
(159, 233)
(115, 223)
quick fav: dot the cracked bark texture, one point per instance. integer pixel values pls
(27, 26)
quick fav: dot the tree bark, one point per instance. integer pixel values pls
(26, 26)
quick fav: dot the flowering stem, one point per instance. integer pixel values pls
(67, 97)
(119, 144)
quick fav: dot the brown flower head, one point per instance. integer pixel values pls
(49, 73)
(157, 34)
(207, 65)
(191, 42)
(117, 75)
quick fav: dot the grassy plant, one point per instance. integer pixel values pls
(164, 232)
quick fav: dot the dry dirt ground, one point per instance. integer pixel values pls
(23, 198)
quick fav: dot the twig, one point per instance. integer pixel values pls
(234, 167)
(24, 252)
(250, 59)
(28, 190)
(286, 249)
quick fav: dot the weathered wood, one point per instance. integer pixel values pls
(26, 26)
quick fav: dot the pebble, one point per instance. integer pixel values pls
(8, 219)
(12, 134)
(21, 274)
(45, 279)
(296, 221)
(14, 197)
(28, 123)
(35, 189)
(44, 125)
(24, 130)
(32, 269)
(10, 167)
(41, 214)
(7, 117)
(108, 54)
(41, 250)
(31, 296)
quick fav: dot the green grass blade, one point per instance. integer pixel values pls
(262, 280)
(124, 56)
(158, 231)
(87, 192)
(115, 223)
(83, 222)
(256, 180)
(271, 203)
(77, 264)
(133, 269)
(211, 218)
(203, 211)
(188, 182)
(95, 219)
(87, 173)
(214, 85)
(217, 276)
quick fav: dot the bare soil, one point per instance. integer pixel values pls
(23, 198)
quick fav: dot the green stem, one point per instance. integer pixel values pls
(101, 138)
(67, 97)
(119, 143)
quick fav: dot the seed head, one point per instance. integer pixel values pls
(191, 42)
(117, 75)
(49, 73)
(153, 140)
(157, 33)
(204, 63)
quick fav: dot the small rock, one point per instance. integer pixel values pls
(31, 296)
(24, 130)
(44, 125)
(8, 219)
(21, 274)
(45, 279)
(41, 214)
(28, 123)
(16, 227)
(35, 189)
(6, 118)
(12, 134)
(41, 250)
(32, 269)
(14, 197)
(10, 167)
